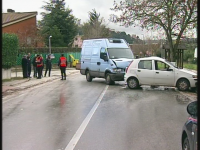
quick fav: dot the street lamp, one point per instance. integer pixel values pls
(143, 39)
(50, 44)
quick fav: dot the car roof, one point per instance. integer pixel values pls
(151, 58)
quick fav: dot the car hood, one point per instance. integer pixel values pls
(187, 71)
(122, 62)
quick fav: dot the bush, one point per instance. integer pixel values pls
(40, 50)
(9, 50)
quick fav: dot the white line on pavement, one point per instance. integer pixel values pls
(84, 124)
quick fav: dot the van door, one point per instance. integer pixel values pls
(103, 62)
(94, 64)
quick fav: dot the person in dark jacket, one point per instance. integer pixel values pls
(63, 64)
(24, 67)
(29, 65)
(34, 66)
(48, 65)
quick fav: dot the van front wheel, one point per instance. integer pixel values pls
(88, 77)
(109, 81)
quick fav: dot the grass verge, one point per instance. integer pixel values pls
(190, 66)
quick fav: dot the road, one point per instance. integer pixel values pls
(80, 115)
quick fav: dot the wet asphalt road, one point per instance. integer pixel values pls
(76, 114)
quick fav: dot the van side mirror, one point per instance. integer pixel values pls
(104, 56)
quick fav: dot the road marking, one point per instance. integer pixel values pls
(84, 124)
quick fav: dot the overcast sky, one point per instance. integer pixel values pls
(80, 10)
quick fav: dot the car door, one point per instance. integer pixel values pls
(194, 135)
(164, 74)
(144, 72)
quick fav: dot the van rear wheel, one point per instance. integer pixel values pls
(88, 77)
(109, 81)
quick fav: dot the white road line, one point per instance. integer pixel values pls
(84, 124)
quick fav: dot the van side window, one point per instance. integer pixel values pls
(103, 53)
(103, 50)
(145, 64)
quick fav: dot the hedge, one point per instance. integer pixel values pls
(10, 47)
(40, 50)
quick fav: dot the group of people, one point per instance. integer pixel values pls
(38, 66)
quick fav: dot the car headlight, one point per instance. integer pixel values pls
(117, 70)
(194, 76)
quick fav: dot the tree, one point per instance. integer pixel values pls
(10, 46)
(95, 28)
(172, 17)
(59, 23)
(122, 35)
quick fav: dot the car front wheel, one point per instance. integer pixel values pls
(183, 85)
(186, 145)
(132, 83)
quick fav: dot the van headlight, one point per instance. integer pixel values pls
(117, 70)
(194, 76)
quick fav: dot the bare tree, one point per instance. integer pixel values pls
(172, 17)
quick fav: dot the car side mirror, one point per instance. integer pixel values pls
(169, 69)
(192, 108)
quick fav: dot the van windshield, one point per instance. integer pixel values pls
(115, 53)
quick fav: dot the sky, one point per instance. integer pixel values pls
(80, 9)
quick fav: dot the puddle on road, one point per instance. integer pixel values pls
(150, 88)
(181, 98)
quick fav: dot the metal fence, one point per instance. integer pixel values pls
(54, 60)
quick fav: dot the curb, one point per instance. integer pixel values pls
(17, 85)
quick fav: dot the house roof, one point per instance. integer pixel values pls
(14, 17)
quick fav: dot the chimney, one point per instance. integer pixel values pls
(10, 10)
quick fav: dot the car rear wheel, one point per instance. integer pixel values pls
(88, 77)
(183, 85)
(132, 83)
(109, 81)
(186, 145)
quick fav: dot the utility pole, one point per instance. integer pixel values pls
(50, 44)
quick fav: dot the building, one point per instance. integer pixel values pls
(24, 24)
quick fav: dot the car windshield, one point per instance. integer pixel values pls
(115, 53)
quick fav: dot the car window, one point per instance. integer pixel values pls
(145, 64)
(159, 65)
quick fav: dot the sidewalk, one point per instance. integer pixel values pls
(18, 85)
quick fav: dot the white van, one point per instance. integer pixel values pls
(105, 58)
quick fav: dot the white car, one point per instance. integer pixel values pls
(156, 71)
